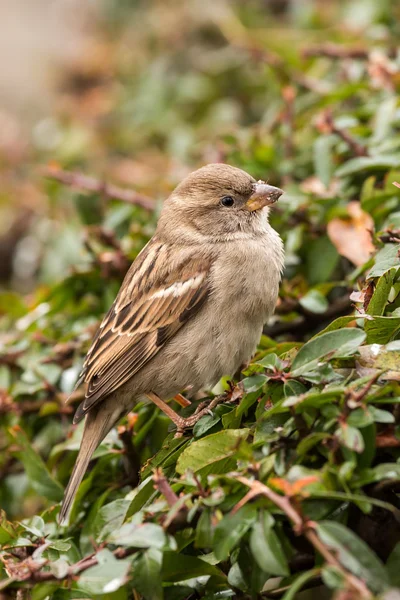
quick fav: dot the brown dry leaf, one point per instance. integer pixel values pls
(352, 237)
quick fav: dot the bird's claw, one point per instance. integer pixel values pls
(204, 408)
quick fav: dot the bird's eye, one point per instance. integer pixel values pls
(227, 201)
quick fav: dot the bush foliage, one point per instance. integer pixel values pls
(292, 481)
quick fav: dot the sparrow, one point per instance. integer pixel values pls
(191, 308)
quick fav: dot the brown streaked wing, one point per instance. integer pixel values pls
(153, 303)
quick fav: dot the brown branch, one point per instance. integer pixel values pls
(335, 51)
(326, 125)
(300, 526)
(161, 484)
(289, 95)
(177, 517)
(131, 458)
(80, 181)
(360, 395)
(331, 50)
(30, 571)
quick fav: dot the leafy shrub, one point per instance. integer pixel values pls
(292, 481)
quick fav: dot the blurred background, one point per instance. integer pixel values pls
(139, 93)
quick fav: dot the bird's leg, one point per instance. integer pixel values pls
(181, 400)
(167, 410)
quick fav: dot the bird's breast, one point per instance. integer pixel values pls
(246, 276)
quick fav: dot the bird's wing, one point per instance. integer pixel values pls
(161, 291)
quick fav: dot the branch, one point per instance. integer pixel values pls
(301, 526)
(32, 573)
(325, 124)
(161, 484)
(131, 458)
(336, 51)
(80, 181)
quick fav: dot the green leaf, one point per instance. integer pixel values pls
(380, 296)
(147, 574)
(314, 302)
(310, 441)
(142, 535)
(367, 163)
(12, 304)
(205, 424)
(378, 473)
(321, 260)
(266, 547)
(381, 330)
(108, 576)
(295, 586)
(353, 554)
(109, 518)
(293, 388)
(392, 566)
(210, 449)
(350, 437)
(171, 449)
(341, 342)
(322, 157)
(7, 529)
(359, 418)
(385, 259)
(254, 383)
(204, 530)
(338, 323)
(34, 525)
(381, 416)
(231, 529)
(179, 567)
(333, 578)
(39, 476)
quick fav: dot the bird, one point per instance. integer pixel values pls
(191, 307)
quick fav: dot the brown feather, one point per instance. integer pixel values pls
(147, 312)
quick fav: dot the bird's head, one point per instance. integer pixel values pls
(218, 200)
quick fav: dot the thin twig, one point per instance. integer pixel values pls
(325, 124)
(32, 570)
(162, 485)
(335, 51)
(305, 527)
(84, 182)
(289, 95)
(331, 50)
(360, 395)
(131, 458)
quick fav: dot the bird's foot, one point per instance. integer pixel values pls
(186, 423)
(204, 408)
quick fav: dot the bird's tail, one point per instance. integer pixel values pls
(97, 424)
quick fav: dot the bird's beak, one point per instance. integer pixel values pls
(263, 195)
